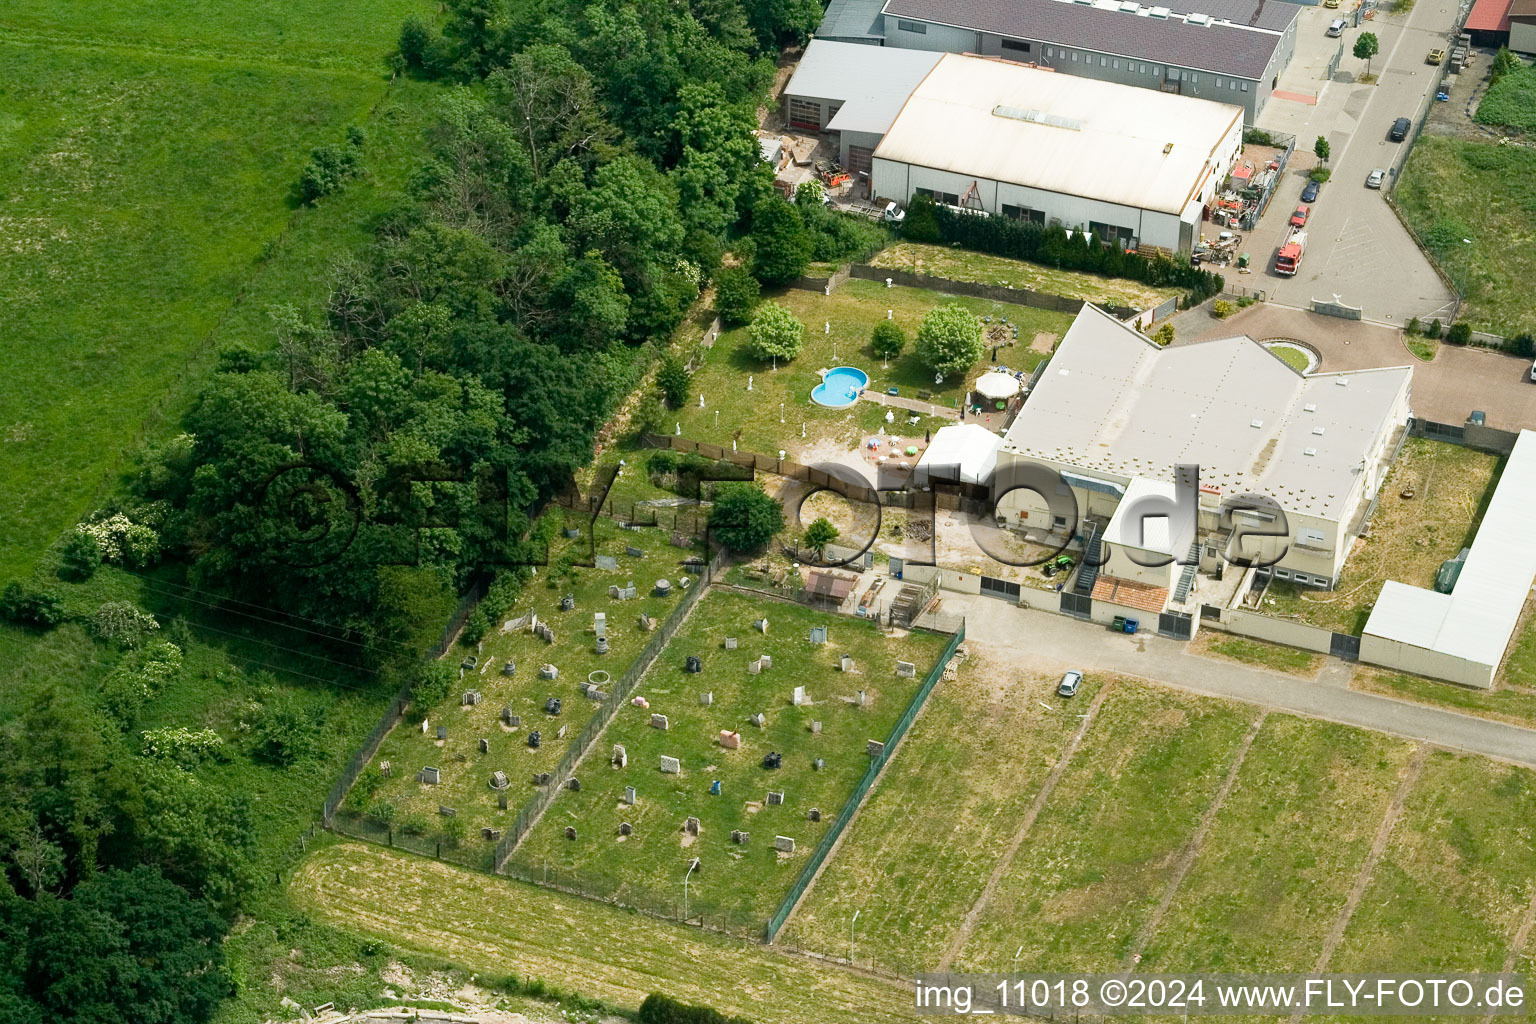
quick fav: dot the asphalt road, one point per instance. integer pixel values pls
(1358, 253)
(1045, 641)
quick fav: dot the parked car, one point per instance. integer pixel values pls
(1533, 371)
(1330, 3)
(1069, 684)
(1399, 130)
(1309, 194)
(1299, 218)
(1435, 56)
(1376, 178)
(1336, 28)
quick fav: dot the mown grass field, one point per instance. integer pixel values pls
(932, 830)
(465, 772)
(1257, 652)
(499, 926)
(853, 310)
(1457, 876)
(1409, 537)
(1452, 189)
(1094, 865)
(737, 885)
(983, 268)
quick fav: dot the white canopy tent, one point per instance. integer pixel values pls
(963, 453)
(997, 385)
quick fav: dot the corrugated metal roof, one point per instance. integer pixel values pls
(1114, 404)
(1476, 619)
(853, 20)
(871, 82)
(1136, 147)
(1224, 49)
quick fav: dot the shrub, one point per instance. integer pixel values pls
(1412, 327)
(775, 333)
(123, 541)
(30, 606)
(661, 462)
(1222, 309)
(888, 340)
(921, 223)
(1432, 329)
(141, 677)
(737, 294)
(659, 1009)
(433, 684)
(120, 623)
(185, 747)
(80, 558)
(819, 534)
(673, 379)
(1164, 334)
(744, 517)
(1460, 333)
(949, 340)
(329, 168)
(284, 733)
(1319, 174)
(1523, 345)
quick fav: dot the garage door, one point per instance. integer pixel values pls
(860, 158)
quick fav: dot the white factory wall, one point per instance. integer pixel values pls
(895, 180)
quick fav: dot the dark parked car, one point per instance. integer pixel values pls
(1399, 130)
(1309, 194)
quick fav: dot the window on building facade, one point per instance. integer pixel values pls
(1245, 87)
(913, 26)
(1111, 233)
(1157, 69)
(1074, 56)
(1015, 45)
(1103, 62)
(1117, 63)
(1218, 81)
(948, 198)
(1023, 213)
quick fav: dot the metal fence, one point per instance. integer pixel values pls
(617, 698)
(399, 704)
(876, 764)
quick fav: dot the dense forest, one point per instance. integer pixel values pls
(586, 171)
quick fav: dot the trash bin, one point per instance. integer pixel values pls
(1131, 625)
(1118, 625)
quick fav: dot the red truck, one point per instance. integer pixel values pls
(1288, 259)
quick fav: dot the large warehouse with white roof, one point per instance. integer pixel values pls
(1018, 141)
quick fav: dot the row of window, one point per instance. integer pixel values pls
(947, 198)
(1300, 577)
(1137, 67)
(1024, 213)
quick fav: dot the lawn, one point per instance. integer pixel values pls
(1509, 703)
(964, 265)
(1511, 101)
(1460, 870)
(1256, 652)
(147, 225)
(1282, 852)
(498, 927)
(731, 411)
(1452, 189)
(411, 806)
(933, 829)
(324, 33)
(737, 886)
(1095, 864)
(1409, 537)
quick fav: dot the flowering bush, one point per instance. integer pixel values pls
(121, 623)
(141, 677)
(123, 541)
(186, 747)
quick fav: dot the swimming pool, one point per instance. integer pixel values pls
(840, 388)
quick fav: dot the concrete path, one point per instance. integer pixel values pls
(1043, 640)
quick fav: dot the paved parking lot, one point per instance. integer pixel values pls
(1358, 252)
(1446, 389)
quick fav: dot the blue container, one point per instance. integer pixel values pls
(1131, 625)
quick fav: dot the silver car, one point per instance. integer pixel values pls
(1069, 684)
(1375, 178)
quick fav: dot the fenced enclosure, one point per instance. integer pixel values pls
(856, 798)
(399, 704)
(617, 698)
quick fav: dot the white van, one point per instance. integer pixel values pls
(1533, 371)
(1336, 28)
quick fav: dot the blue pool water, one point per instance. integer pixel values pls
(840, 387)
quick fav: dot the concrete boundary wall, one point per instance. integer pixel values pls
(1277, 631)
